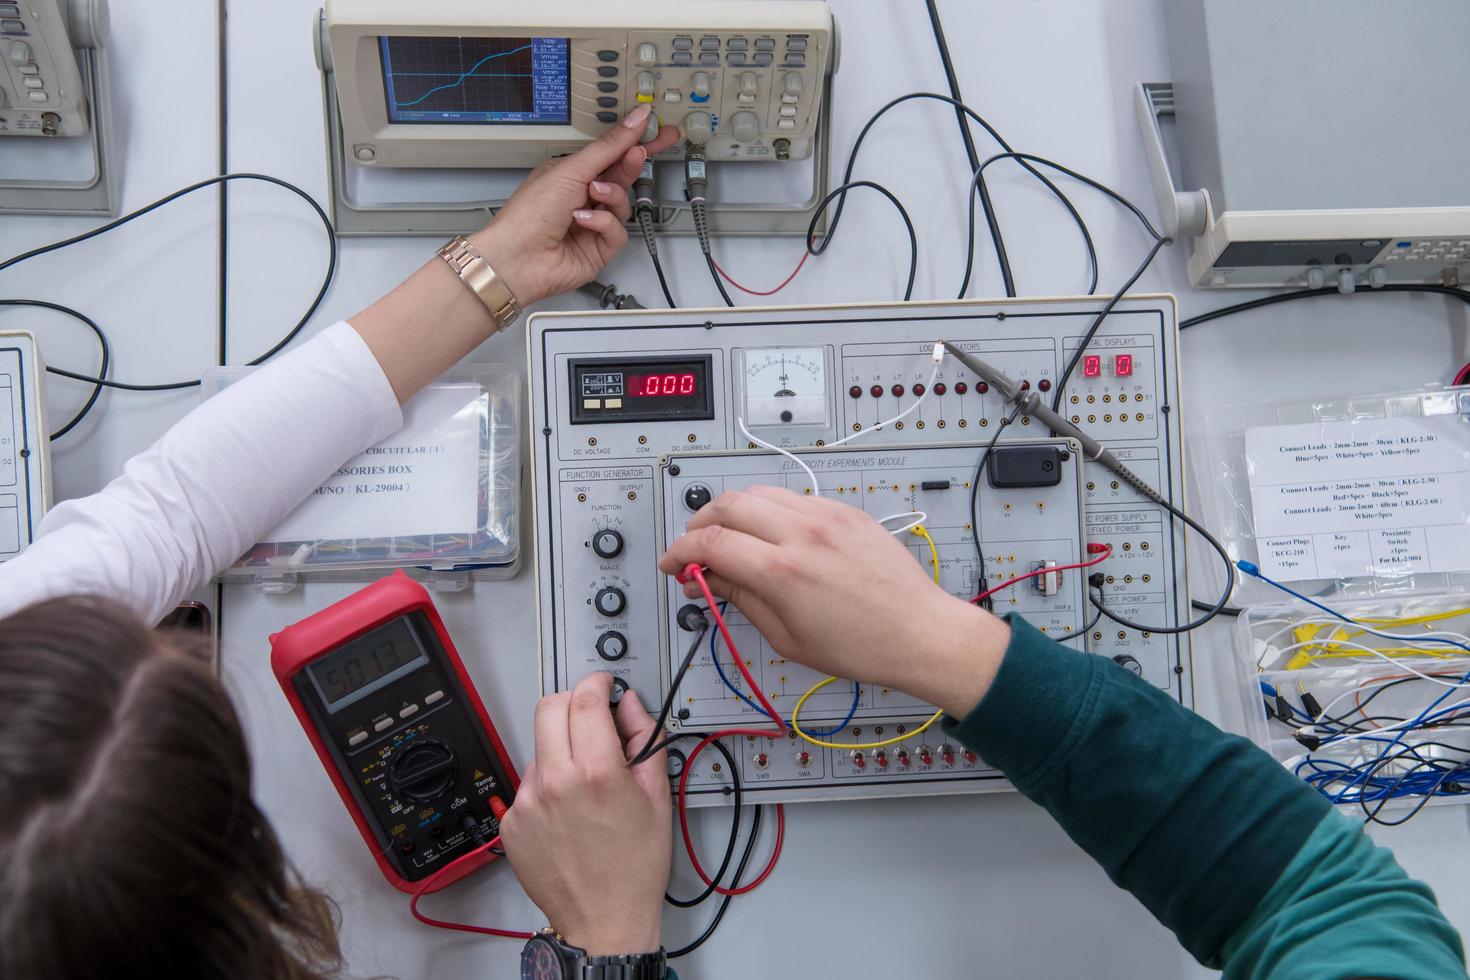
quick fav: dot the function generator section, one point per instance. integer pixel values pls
(1021, 528)
(615, 394)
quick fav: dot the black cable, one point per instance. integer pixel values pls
(981, 121)
(709, 930)
(101, 342)
(719, 284)
(1201, 606)
(668, 705)
(167, 199)
(719, 874)
(980, 469)
(1212, 611)
(1254, 304)
(980, 189)
(1096, 615)
(811, 230)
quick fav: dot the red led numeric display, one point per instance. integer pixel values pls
(660, 385)
(1092, 366)
(1123, 365)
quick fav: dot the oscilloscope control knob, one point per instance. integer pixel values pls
(698, 128)
(744, 126)
(607, 543)
(612, 645)
(647, 53)
(749, 83)
(610, 601)
(1129, 663)
(423, 771)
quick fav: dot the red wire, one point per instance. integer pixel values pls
(413, 904)
(697, 573)
(1103, 552)
(761, 292)
(1460, 378)
(684, 816)
(693, 571)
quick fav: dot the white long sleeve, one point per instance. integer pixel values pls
(227, 473)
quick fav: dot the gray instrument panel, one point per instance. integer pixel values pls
(601, 479)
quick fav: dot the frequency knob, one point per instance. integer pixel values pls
(607, 543)
(610, 601)
(423, 771)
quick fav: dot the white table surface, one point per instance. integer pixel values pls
(968, 886)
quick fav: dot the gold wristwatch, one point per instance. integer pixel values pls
(475, 272)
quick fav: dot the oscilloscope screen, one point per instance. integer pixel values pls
(478, 80)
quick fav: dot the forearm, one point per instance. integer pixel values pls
(216, 482)
(1197, 824)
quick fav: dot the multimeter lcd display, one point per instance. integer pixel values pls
(477, 80)
(367, 663)
(648, 389)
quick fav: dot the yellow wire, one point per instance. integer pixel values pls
(918, 530)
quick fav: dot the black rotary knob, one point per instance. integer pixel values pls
(423, 771)
(696, 496)
(607, 543)
(610, 601)
(1129, 663)
(612, 645)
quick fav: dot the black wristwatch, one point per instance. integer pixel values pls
(549, 957)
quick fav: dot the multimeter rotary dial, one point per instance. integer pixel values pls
(423, 771)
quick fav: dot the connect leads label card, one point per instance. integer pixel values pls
(1381, 497)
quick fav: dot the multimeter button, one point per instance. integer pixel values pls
(612, 646)
(408, 711)
(358, 739)
(382, 725)
(610, 601)
(607, 543)
(433, 697)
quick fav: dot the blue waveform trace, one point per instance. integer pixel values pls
(468, 74)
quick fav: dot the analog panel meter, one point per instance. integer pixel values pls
(785, 386)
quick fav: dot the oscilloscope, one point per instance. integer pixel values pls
(465, 83)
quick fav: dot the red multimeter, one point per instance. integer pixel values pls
(384, 698)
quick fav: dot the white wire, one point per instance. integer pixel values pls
(897, 418)
(816, 487)
(916, 517)
(1410, 724)
(1396, 662)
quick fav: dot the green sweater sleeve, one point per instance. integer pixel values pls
(1199, 825)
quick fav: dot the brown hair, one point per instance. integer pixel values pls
(129, 843)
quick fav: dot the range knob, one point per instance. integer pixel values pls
(607, 543)
(610, 601)
(1128, 663)
(698, 128)
(612, 645)
(423, 771)
(744, 126)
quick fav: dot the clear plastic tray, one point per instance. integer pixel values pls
(1225, 491)
(457, 511)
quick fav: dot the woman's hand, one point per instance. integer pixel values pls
(829, 587)
(565, 222)
(590, 838)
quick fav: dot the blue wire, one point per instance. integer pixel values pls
(857, 691)
(1364, 770)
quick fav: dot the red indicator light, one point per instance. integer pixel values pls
(960, 387)
(897, 391)
(1025, 386)
(981, 387)
(876, 391)
(1044, 384)
(940, 388)
(855, 391)
(919, 390)
(1091, 366)
(1123, 365)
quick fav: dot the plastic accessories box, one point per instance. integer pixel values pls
(439, 499)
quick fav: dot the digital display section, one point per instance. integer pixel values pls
(645, 389)
(497, 81)
(367, 663)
